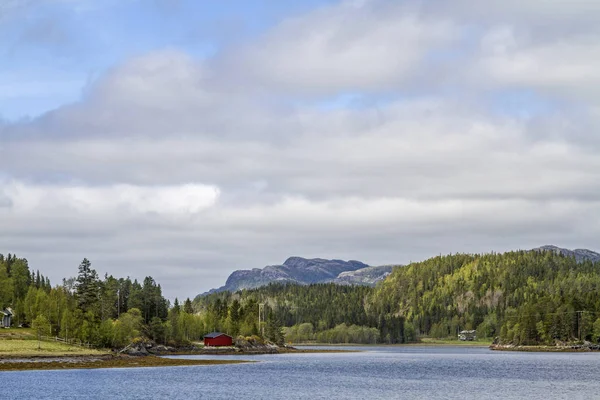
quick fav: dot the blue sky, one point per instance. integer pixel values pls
(51, 50)
(186, 139)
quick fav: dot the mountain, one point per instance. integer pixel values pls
(579, 254)
(365, 276)
(301, 271)
(317, 270)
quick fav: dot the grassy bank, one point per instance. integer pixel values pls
(104, 361)
(22, 342)
(31, 348)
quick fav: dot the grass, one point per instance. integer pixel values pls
(29, 348)
(16, 333)
(22, 342)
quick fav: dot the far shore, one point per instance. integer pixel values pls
(424, 342)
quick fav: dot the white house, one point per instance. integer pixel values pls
(6, 316)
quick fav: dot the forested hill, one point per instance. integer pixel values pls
(525, 297)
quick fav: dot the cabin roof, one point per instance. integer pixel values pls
(213, 335)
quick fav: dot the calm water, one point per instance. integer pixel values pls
(376, 373)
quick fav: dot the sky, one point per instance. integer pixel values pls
(186, 139)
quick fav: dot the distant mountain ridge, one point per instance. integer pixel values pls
(579, 254)
(304, 272)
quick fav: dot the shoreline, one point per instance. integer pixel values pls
(545, 349)
(253, 352)
(48, 362)
(424, 344)
(32, 362)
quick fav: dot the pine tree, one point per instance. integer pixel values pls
(187, 306)
(273, 329)
(87, 287)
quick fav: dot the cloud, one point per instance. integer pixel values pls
(113, 200)
(349, 46)
(186, 169)
(564, 67)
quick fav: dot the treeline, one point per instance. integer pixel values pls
(522, 297)
(108, 312)
(335, 313)
(342, 333)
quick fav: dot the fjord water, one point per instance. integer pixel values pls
(410, 372)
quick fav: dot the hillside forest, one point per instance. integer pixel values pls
(522, 297)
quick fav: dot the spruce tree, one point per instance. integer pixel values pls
(87, 287)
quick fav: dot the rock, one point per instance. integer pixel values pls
(136, 350)
(161, 349)
(580, 255)
(365, 276)
(294, 270)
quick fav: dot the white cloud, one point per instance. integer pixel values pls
(113, 201)
(570, 66)
(186, 169)
(349, 46)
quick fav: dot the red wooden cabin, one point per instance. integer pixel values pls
(218, 339)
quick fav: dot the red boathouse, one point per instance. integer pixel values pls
(218, 339)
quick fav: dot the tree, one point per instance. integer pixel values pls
(597, 331)
(234, 318)
(187, 306)
(127, 327)
(87, 287)
(273, 329)
(41, 326)
(156, 329)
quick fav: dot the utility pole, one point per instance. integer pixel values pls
(578, 325)
(261, 318)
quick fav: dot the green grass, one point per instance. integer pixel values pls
(22, 342)
(16, 333)
(28, 348)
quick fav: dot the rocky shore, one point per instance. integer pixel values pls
(559, 347)
(241, 346)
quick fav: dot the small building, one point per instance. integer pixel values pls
(6, 316)
(218, 339)
(467, 335)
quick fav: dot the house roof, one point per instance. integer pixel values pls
(213, 335)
